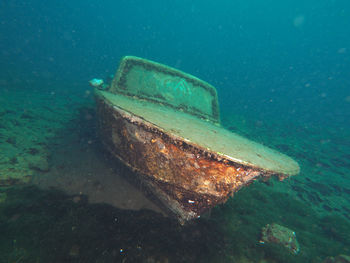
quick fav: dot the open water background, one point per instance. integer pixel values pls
(282, 73)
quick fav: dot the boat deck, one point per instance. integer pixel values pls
(205, 134)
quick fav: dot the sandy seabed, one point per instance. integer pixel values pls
(61, 192)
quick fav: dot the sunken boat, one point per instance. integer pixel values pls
(165, 125)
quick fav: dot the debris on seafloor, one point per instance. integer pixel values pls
(165, 125)
(274, 233)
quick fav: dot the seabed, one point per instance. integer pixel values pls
(57, 182)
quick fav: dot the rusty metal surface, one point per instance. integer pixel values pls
(187, 179)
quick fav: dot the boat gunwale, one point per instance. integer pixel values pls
(195, 148)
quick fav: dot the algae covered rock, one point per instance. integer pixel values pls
(274, 233)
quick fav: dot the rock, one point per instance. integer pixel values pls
(274, 233)
(337, 259)
(39, 163)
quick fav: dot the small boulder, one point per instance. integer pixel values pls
(274, 233)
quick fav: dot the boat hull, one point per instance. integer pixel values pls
(186, 178)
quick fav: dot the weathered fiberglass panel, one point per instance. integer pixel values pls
(155, 82)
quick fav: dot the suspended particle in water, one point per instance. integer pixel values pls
(298, 21)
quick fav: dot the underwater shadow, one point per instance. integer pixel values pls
(54, 227)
